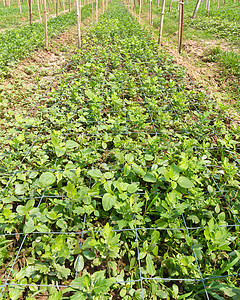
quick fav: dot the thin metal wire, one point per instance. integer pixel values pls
(135, 229)
(234, 214)
(96, 140)
(194, 254)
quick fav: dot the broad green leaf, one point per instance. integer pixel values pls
(108, 201)
(138, 170)
(162, 294)
(56, 296)
(149, 157)
(132, 188)
(150, 266)
(71, 190)
(42, 228)
(29, 226)
(78, 296)
(46, 179)
(71, 144)
(129, 158)
(54, 140)
(19, 189)
(109, 175)
(22, 210)
(95, 173)
(174, 172)
(175, 290)
(155, 236)
(15, 293)
(217, 209)
(210, 189)
(60, 151)
(185, 182)
(79, 264)
(149, 177)
(90, 255)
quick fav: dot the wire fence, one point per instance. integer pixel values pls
(131, 132)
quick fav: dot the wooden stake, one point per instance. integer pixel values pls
(39, 13)
(56, 8)
(180, 27)
(208, 8)
(78, 25)
(64, 6)
(103, 5)
(96, 10)
(19, 5)
(69, 5)
(170, 5)
(196, 9)
(48, 6)
(150, 12)
(45, 22)
(161, 22)
(139, 12)
(30, 11)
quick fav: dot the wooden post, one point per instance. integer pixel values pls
(139, 12)
(170, 5)
(180, 25)
(64, 6)
(196, 9)
(96, 10)
(45, 22)
(69, 5)
(19, 5)
(48, 7)
(103, 5)
(135, 9)
(208, 8)
(78, 24)
(30, 11)
(39, 13)
(150, 12)
(56, 8)
(157, 3)
(131, 5)
(161, 22)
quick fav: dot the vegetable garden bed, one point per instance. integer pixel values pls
(126, 186)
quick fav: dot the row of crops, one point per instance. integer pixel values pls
(223, 22)
(124, 184)
(13, 17)
(18, 43)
